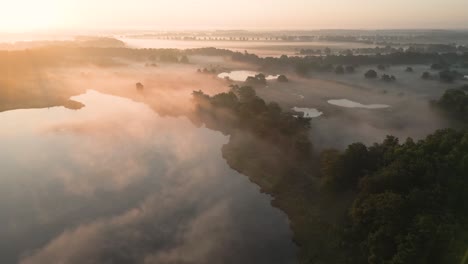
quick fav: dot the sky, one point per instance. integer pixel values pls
(30, 15)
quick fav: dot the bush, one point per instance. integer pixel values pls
(258, 79)
(370, 74)
(388, 78)
(282, 78)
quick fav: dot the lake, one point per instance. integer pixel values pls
(114, 182)
(308, 112)
(241, 76)
(352, 104)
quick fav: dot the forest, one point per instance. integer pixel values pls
(391, 202)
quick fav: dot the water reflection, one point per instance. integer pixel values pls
(241, 76)
(351, 104)
(115, 183)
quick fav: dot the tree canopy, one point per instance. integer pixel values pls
(455, 103)
(370, 74)
(396, 202)
(282, 78)
(410, 204)
(242, 108)
(258, 79)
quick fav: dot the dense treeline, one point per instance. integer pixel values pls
(209, 52)
(303, 65)
(410, 204)
(390, 202)
(313, 62)
(241, 108)
(63, 55)
(330, 62)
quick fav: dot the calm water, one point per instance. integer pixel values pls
(241, 76)
(308, 112)
(116, 183)
(351, 104)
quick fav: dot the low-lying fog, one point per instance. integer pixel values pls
(116, 182)
(261, 48)
(357, 109)
(168, 87)
(241, 76)
(169, 197)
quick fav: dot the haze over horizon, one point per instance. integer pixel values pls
(253, 132)
(27, 16)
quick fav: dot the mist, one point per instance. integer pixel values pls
(128, 149)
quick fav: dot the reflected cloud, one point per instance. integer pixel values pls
(135, 236)
(115, 182)
(105, 143)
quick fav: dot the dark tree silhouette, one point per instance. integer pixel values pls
(388, 78)
(258, 79)
(283, 78)
(370, 74)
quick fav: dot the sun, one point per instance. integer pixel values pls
(30, 15)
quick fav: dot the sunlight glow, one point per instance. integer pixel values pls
(25, 15)
(30, 15)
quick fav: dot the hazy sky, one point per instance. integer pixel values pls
(24, 15)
